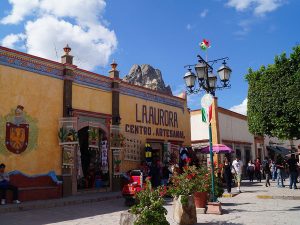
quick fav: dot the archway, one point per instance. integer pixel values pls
(94, 174)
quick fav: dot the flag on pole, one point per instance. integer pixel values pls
(206, 114)
(204, 45)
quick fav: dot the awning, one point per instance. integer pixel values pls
(279, 150)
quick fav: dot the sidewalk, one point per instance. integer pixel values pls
(257, 205)
(71, 200)
(245, 208)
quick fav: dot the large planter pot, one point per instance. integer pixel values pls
(185, 214)
(200, 199)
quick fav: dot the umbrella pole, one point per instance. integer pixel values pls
(211, 164)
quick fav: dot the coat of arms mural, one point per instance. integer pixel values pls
(16, 139)
(20, 131)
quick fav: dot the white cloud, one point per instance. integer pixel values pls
(11, 40)
(241, 108)
(245, 27)
(49, 29)
(20, 9)
(259, 7)
(204, 13)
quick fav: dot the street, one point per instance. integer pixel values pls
(253, 206)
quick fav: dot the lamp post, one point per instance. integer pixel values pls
(207, 82)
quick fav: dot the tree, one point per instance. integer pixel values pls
(274, 98)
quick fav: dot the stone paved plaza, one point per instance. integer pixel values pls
(273, 206)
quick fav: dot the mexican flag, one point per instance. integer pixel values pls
(204, 45)
(206, 114)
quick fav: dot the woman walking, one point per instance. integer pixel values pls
(227, 174)
(258, 170)
(250, 170)
(267, 172)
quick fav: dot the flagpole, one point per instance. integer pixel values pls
(211, 164)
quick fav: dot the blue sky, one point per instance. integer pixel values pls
(165, 34)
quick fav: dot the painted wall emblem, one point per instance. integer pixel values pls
(18, 131)
(16, 140)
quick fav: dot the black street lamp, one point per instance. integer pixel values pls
(207, 82)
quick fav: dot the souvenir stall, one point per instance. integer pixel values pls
(93, 158)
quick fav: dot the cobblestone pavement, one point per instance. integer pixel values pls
(275, 206)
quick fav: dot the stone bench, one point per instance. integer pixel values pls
(37, 187)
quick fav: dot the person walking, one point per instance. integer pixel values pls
(237, 165)
(250, 170)
(292, 162)
(5, 185)
(227, 173)
(165, 176)
(155, 174)
(273, 170)
(257, 169)
(267, 171)
(279, 171)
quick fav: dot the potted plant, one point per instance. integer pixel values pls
(202, 187)
(149, 209)
(182, 189)
(62, 134)
(93, 136)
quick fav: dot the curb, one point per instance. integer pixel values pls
(278, 197)
(54, 203)
(229, 195)
(264, 196)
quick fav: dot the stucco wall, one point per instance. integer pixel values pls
(232, 128)
(41, 97)
(91, 99)
(236, 130)
(128, 116)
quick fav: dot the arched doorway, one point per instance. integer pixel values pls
(93, 156)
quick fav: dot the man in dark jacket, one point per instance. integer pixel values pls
(292, 162)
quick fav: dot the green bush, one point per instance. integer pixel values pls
(149, 209)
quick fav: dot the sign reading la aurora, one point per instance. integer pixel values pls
(155, 116)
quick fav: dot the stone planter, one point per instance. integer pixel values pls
(214, 208)
(185, 214)
(200, 199)
(127, 218)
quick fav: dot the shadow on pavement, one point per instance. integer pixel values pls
(219, 223)
(296, 208)
(254, 191)
(62, 214)
(233, 204)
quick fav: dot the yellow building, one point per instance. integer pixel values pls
(86, 127)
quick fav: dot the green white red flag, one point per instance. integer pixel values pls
(206, 114)
(204, 45)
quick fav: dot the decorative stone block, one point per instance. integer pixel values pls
(214, 208)
(185, 214)
(127, 218)
(201, 210)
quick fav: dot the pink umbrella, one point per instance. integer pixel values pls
(218, 148)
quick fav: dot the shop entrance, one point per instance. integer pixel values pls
(93, 159)
(157, 149)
